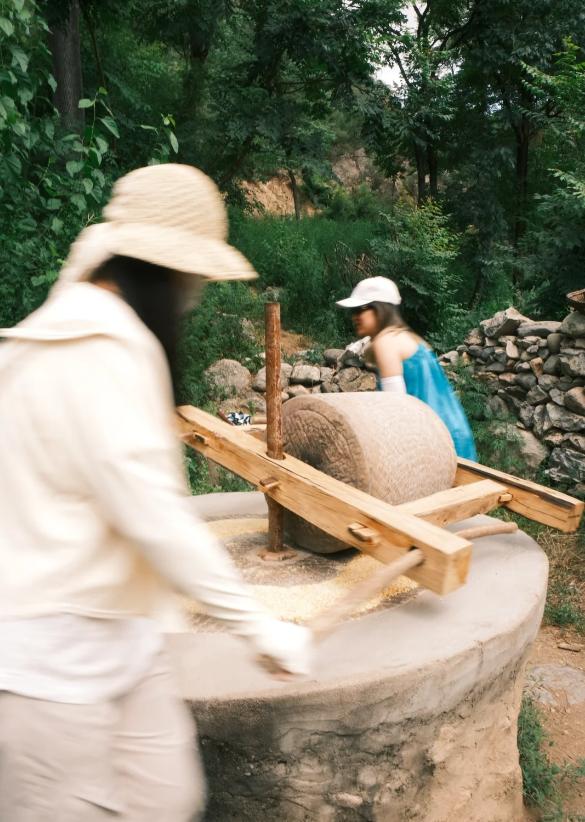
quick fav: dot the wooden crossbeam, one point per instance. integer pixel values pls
(534, 501)
(458, 503)
(333, 506)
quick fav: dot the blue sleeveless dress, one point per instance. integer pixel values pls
(424, 378)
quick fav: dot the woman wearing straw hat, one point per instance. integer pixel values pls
(405, 363)
(95, 528)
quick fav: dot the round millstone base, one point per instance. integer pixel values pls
(410, 713)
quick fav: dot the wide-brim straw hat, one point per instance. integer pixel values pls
(171, 215)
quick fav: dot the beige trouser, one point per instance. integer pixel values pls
(133, 759)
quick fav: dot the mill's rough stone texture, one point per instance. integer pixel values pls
(389, 445)
(410, 713)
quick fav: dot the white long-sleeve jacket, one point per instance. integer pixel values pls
(94, 513)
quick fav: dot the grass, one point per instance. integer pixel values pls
(539, 775)
(542, 780)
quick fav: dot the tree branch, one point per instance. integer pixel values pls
(401, 68)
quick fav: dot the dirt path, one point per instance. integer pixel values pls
(556, 681)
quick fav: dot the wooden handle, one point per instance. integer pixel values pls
(490, 530)
(325, 622)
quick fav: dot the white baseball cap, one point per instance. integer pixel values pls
(372, 290)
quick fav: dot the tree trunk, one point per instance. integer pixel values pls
(433, 164)
(523, 138)
(90, 26)
(522, 147)
(419, 156)
(65, 44)
(295, 193)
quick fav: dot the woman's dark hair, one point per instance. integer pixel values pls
(154, 293)
(388, 316)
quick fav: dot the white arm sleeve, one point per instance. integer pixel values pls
(121, 427)
(394, 385)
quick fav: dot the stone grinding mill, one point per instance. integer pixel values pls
(411, 712)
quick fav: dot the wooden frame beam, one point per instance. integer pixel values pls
(335, 507)
(457, 503)
(536, 502)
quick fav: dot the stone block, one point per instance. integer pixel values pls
(553, 343)
(303, 374)
(332, 355)
(475, 337)
(538, 329)
(259, 383)
(537, 366)
(228, 378)
(526, 414)
(547, 381)
(566, 464)
(538, 420)
(558, 397)
(573, 365)
(326, 373)
(496, 367)
(563, 419)
(503, 323)
(575, 441)
(573, 325)
(575, 400)
(526, 381)
(552, 365)
(554, 438)
(536, 395)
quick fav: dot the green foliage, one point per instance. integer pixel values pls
(52, 183)
(555, 243)
(201, 482)
(563, 606)
(360, 203)
(312, 263)
(214, 331)
(542, 780)
(538, 774)
(409, 120)
(418, 249)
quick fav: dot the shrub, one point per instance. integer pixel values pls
(313, 262)
(216, 330)
(418, 250)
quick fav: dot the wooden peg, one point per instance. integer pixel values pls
(363, 533)
(268, 484)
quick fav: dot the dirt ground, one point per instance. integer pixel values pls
(292, 343)
(556, 681)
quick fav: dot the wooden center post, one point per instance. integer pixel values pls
(274, 438)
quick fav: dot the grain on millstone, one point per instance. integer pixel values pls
(301, 603)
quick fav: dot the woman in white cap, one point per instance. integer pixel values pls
(96, 529)
(405, 363)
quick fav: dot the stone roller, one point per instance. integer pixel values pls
(393, 447)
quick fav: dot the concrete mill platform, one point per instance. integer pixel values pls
(411, 710)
